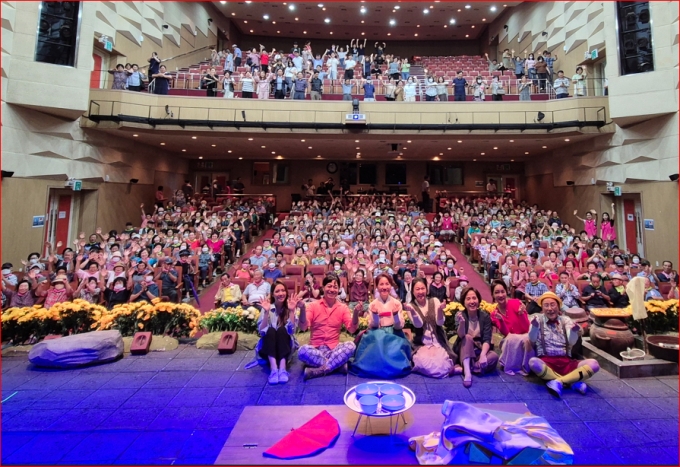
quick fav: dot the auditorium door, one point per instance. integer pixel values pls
(633, 224)
(202, 179)
(507, 184)
(60, 214)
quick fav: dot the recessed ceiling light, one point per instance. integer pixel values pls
(309, 147)
(512, 160)
(435, 158)
(527, 152)
(459, 141)
(214, 145)
(566, 139)
(240, 158)
(392, 22)
(162, 144)
(278, 32)
(320, 5)
(545, 147)
(302, 140)
(363, 33)
(249, 2)
(493, 8)
(482, 153)
(304, 32)
(474, 160)
(229, 151)
(362, 22)
(323, 9)
(246, 22)
(452, 21)
(408, 141)
(467, 35)
(279, 157)
(459, 10)
(404, 148)
(135, 135)
(441, 153)
(357, 147)
(265, 16)
(273, 152)
(416, 34)
(389, 33)
(363, 10)
(327, 20)
(252, 30)
(473, 26)
(233, 14)
(448, 149)
(495, 147)
(223, 3)
(291, 7)
(331, 33)
(512, 140)
(200, 157)
(297, 19)
(446, 26)
(397, 7)
(426, 11)
(467, 7)
(483, 19)
(250, 139)
(319, 156)
(194, 137)
(184, 150)
(263, 147)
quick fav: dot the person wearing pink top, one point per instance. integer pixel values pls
(589, 223)
(607, 227)
(324, 318)
(262, 81)
(446, 228)
(383, 351)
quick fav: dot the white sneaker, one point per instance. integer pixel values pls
(283, 376)
(555, 387)
(580, 387)
(273, 377)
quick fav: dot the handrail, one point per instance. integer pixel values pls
(181, 55)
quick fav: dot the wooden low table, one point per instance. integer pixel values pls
(260, 427)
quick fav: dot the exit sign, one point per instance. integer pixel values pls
(108, 45)
(77, 185)
(617, 191)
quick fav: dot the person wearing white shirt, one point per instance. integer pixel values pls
(257, 291)
(410, 89)
(349, 67)
(332, 66)
(561, 85)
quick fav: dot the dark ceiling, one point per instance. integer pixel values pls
(419, 21)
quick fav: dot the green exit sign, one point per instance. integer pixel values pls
(617, 191)
(77, 185)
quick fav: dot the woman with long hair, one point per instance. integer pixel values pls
(473, 345)
(432, 356)
(383, 351)
(510, 317)
(276, 325)
(607, 229)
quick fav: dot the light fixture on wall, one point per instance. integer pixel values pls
(209, 21)
(544, 34)
(674, 177)
(505, 26)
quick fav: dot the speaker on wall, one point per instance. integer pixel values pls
(635, 37)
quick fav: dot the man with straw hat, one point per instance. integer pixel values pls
(554, 336)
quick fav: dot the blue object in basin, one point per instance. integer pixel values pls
(393, 403)
(367, 389)
(369, 404)
(391, 389)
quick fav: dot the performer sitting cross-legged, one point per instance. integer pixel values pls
(554, 336)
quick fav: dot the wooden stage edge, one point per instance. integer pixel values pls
(260, 427)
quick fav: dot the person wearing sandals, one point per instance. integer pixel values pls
(473, 345)
(277, 330)
(432, 356)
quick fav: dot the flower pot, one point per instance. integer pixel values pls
(663, 347)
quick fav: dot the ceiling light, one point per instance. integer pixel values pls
(265, 16)
(252, 30)
(250, 139)
(362, 22)
(246, 21)
(459, 141)
(495, 147)
(229, 151)
(392, 22)
(397, 7)
(459, 10)
(474, 160)
(416, 34)
(184, 150)
(304, 32)
(278, 32)
(435, 158)
(448, 149)
(194, 137)
(291, 7)
(319, 156)
(431, 6)
(309, 147)
(404, 148)
(240, 158)
(200, 157)
(426, 11)
(135, 135)
(467, 7)
(279, 157)
(332, 33)
(357, 147)
(273, 152)
(323, 9)
(389, 33)
(363, 33)
(233, 14)
(483, 19)
(545, 147)
(263, 147)
(214, 145)
(249, 2)
(482, 153)
(473, 26)
(302, 140)
(452, 21)
(363, 10)
(512, 160)
(566, 139)
(162, 144)
(327, 20)
(493, 8)
(526, 152)
(441, 153)
(297, 19)
(408, 141)
(320, 5)
(446, 26)
(467, 35)
(512, 140)
(223, 3)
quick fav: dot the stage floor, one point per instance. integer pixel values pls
(261, 427)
